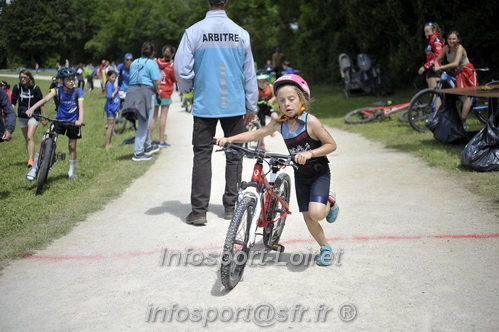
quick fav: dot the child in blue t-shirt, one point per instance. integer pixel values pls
(70, 108)
(112, 105)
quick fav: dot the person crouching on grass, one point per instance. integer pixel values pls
(112, 105)
(70, 108)
(305, 136)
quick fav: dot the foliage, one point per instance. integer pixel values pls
(310, 33)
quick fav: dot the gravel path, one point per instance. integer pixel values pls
(410, 254)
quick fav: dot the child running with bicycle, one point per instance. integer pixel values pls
(306, 137)
(69, 108)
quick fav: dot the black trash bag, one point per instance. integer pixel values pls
(481, 154)
(445, 123)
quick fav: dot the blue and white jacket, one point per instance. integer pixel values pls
(214, 58)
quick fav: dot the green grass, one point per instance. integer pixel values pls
(331, 106)
(28, 221)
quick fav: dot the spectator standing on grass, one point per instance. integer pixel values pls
(214, 58)
(112, 105)
(277, 61)
(463, 69)
(140, 96)
(7, 117)
(6, 87)
(305, 136)
(88, 73)
(266, 99)
(25, 94)
(70, 108)
(166, 89)
(79, 77)
(123, 70)
(433, 34)
(124, 81)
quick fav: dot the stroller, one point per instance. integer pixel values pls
(367, 79)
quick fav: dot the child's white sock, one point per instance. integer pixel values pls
(71, 172)
(35, 162)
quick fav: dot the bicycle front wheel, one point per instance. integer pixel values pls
(254, 145)
(361, 115)
(236, 249)
(481, 106)
(422, 105)
(282, 187)
(44, 164)
(119, 124)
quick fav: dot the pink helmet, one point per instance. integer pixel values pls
(295, 80)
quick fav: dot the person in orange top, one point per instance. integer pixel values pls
(166, 69)
(266, 99)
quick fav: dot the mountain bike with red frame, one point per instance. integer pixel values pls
(262, 203)
(368, 114)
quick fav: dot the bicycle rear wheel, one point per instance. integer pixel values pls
(44, 164)
(282, 187)
(254, 145)
(361, 115)
(404, 116)
(481, 106)
(422, 105)
(235, 252)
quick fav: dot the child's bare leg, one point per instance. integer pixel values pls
(466, 109)
(162, 122)
(72, 158)
(109, 132)
(153, 121)
(315, 229)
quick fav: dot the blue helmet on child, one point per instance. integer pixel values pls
(66, 72)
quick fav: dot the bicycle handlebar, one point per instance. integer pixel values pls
(39, 116)
(282, 159)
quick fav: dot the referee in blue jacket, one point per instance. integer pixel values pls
(214, 59)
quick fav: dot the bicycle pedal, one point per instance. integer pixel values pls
(278, 247)
(61, 156)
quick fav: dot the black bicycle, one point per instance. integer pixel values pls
(427, 101)
(47, 155)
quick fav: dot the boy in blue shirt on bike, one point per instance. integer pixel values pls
(69, 108)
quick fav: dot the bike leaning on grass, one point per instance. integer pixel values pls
(47, 155)
(262, 203)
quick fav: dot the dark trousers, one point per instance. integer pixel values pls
(202, 137)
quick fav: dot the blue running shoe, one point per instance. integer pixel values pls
(164, 144)
(141, 157)
(153, 149)
(324, 258)
(335, 209)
